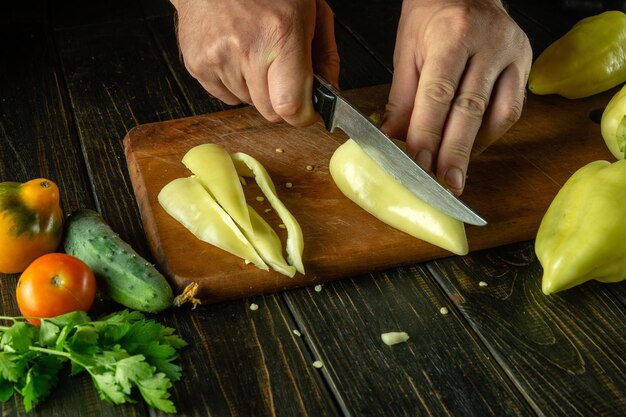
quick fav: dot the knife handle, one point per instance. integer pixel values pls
(324, 100)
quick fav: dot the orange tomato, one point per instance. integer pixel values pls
(55, 284)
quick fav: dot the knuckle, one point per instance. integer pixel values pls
(194, 64)
(512, 113)
(441, 91)
(211, 59)
(473, 105)
(458, 20)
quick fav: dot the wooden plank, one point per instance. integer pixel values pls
(26, 13)
(247, 362)
(155, 8)
(566, 352)
(68, 13)
(117, 79)
(37, 139)
(373, 24)
(441, 371)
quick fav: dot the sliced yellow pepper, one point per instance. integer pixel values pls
(268, 244)
(186, 200)
(212, 205)
(247, 166)
(581, 236)
(213, 166)
(363, 181)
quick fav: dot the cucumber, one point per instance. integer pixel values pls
(128, 278)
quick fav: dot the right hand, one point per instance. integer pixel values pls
(261, 52)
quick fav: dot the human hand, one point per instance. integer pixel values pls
(260, 52)
(460, 71)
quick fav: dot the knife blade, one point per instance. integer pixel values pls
(338, 112)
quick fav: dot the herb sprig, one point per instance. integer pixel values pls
(120, 352)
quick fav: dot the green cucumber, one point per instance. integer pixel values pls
(128, 278)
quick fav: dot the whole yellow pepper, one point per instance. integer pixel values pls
(587, 60)
(581, 236)
(613, 124)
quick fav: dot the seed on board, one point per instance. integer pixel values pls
(282, 226)
(279, 150)
(288, 185)
(260, 198)
(444, 310)
(309, 167)
(254, 307)
(482, 284)
(318, 288)
(318, 364)
(297, 332)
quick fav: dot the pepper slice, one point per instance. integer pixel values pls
(186, 200)
(363, 181)
(213, 166)
(268, 244)
(581, 236)
(247, 166)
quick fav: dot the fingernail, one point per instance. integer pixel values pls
(424, 159)
(454, 178)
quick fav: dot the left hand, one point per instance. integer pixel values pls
(460, 71)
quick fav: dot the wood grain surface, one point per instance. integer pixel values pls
(511, 185)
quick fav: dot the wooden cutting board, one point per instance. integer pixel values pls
(510, 185)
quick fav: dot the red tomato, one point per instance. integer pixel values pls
(55, 284)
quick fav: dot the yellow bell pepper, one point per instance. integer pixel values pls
(613, 124)
(363, 181)
(587, 60)
(30, 222)
(581, 236)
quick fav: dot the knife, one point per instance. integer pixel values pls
(337, 112)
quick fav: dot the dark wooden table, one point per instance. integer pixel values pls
(75, 76)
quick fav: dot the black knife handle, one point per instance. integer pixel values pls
(324, 101)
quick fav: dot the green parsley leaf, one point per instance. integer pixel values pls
(108, 388)
(155, 391)
(39, 380)
(131, 370)
(6, 390)
(48, 333)
(11, 368)
(19, 337)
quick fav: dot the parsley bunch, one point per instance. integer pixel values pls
(120, 351)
